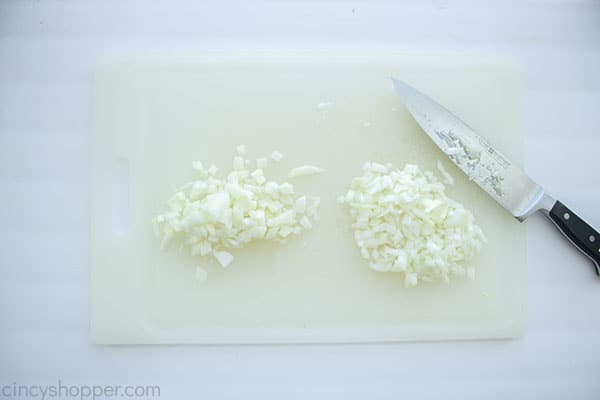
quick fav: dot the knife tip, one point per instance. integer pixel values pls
(402, 88)
(399, 83)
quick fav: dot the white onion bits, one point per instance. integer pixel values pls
(404, 222)
(213, 214)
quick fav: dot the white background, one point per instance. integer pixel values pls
(47, 51)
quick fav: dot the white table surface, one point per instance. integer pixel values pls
(47, 50)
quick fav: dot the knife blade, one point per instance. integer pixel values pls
(501, 179)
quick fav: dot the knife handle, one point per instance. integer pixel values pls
(580, 233)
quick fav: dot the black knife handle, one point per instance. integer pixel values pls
(580, 233)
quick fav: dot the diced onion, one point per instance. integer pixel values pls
(304, 171)
(212, 214)
(448, 179)
(404, 222)
(324, 105)
(276, 156)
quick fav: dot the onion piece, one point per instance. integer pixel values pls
(448, 179)
(276, 156)
(304, 171)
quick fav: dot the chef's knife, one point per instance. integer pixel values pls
(493, 172)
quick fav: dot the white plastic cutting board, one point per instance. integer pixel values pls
(153, 116)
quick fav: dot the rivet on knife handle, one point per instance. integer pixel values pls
(580, 233)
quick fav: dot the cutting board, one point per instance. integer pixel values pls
(154, 115)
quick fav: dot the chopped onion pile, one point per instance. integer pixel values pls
(404, 222)
(212, 214)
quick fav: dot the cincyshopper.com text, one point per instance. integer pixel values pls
(61, 390)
